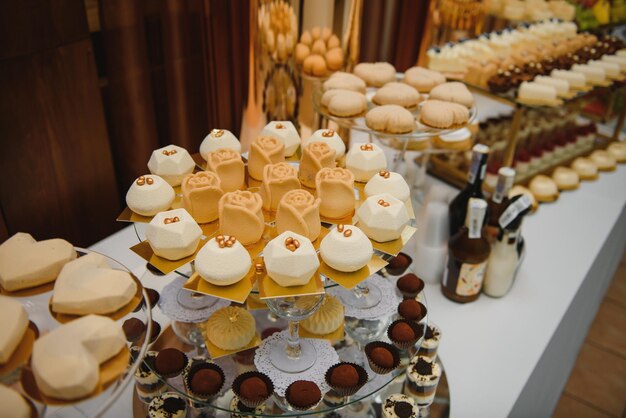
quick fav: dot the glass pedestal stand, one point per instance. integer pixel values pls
(363, 296)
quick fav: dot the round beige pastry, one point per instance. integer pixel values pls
(544, 189)
(306, 38)
(423, 79)
(458, 140)
(618, 151)
(585, 168)
(443, 115)
(398, 94)
(327, 318)
(519, 190)
(344, 81)
(326, 34)
(334, 58)
(566, 178)
(315, 65)
(302, 51)
(344, 103)
(333, 42)
(454, 92)
(230, 328)
(603, 160)
(316, 33)
(391, 119)
(319, 47)
(375, 74)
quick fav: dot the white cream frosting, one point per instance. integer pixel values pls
(172, 163)
(175, 240)
(88, 285)
(12, 327)
(536, 91)
(573, 78)
(330, 137)
(12, 404)
(382, 222)
(219, 138)
(222, 266)
(388, 182)
(593, 74)
(290, 268)
(363, 163)
(616, 59)
(286, 133)
(346, 253)
(612, 69)
(560, 85)
(148, 199)
(66, 361)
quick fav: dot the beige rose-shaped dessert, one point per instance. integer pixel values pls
(263, 151)
(241, 216)
(335, 188)
(229, 167)
(316, 155)
(278, 179)
(201, 194)
(299, 212)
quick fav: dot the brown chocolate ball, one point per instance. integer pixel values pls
(254, 389)
(410, 283)
(206, 382)
(402, 332)
(410, 309)
(382, 357)
(170, 361)
(303, 394)
(133, 329)
(344, 376)
(398, 264)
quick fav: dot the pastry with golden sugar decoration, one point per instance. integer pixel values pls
(231, 328)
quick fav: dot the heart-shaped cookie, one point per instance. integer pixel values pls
(375, 74)
(454, 92)
(26, 263)
(397, 93)
(89, 285)
(443, 115)
(391, 119)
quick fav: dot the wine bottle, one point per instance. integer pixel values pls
(498, 203)
(473, 188)
(468, 252)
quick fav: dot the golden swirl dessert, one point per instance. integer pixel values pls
(365, 160)
(149, 195)
(290, 259)
(603, 160)
(201, 193)
(263, 151)
(346, 248)
(327, 318)
(223, 261)
(278, 179)
(388, 182)
(26, 263)
(544, 188)
(316, 155)
(173, 234)
(229, 167)
(330, 137)
(219, 139)
(585, 168)
(299, 212)
(382, 217)
(423, 79)
(172, 163)
(12, 404)
(618, 151)
(241, 216)
(335, 189)
(286, 133)
(231, 328)
(12, 328)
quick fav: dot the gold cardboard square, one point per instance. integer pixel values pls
(236, 292)
(335, 336)
(394, 247)
(349, 280)
(360, 187)
(165, 266)
(269, 289)
(215, 352)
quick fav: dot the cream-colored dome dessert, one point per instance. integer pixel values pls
(585, 168)
(327, 318)
(219, 138)
(290, 259)
(566, 178)
(388, 182)
(331, 138)
(365, 160)
(173, 234)
(603, 160)
(231, 328)
(544, 188)
(346, 248)
(26, 263)
(286, 133)
(12, 327)
(149, 195)
(172, 163)
(618, 151)
(382, 217)
(88, 285)
(223, 261)
(12, 404)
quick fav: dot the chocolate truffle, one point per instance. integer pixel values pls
(382, 357)
(133, 329)
(170, 361)
(206, 381)
(402, 332)
(398, 264)
(254, 389)
(403, 409)
(410, 283)
(344, 376)
(303, 394)
(411, 309)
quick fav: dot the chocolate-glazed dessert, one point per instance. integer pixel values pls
(501, 82)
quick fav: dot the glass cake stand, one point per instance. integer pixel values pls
(37, 304)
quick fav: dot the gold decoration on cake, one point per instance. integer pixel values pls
(299, 212)
(292, 244)
(170, 152)
(278, 179)
(229, 167)
(384, 174)
(347, 233)
(144, 180)
(328, 133)
(367, 147)
(168, 221)
(264, 150)
(335, 188)
(223, 242)
(201, 194)
(279, 126)
(216, 133)
(340, 227)
(241, 215)
(316, 155)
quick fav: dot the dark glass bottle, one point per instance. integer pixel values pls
(498, 202)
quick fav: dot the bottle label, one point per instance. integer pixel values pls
(470, 278)
(474, 226)
(514, 210)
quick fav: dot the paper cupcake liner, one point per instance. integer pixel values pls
(301, 408)
(347, 391)
(250, 403)
(411, 295)
(375, 367)
(404, 345)
(399, 270)
(424, 313)
(193, 370)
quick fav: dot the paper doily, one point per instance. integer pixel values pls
(388, 303)
(175, 311)
(326, 357)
